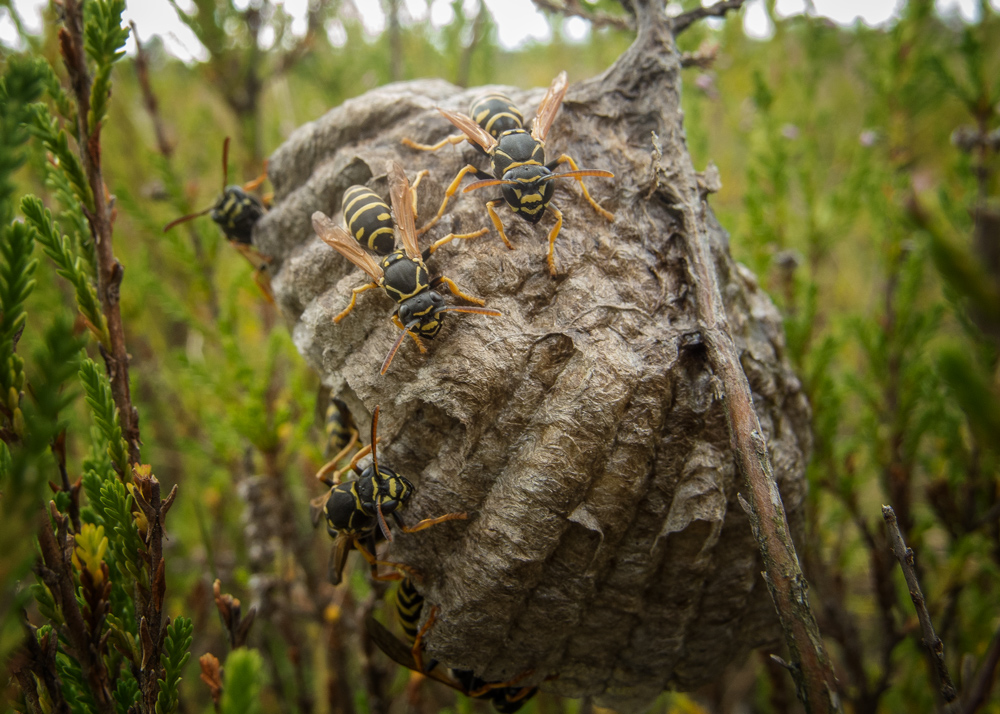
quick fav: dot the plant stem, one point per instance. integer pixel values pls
(109, 270)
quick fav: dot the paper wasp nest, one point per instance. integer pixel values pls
(583, 431)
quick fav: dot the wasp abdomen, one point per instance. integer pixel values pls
(496, 113)
(409, 605)
(369, 220)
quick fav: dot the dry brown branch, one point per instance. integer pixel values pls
(230, 612)
(573, 8)
(703, 58)
(211, 675)
(56, 571)
(149, 97)
(815, 682)
(930, 639)
(109, 270)
(149, 605)
(686, 19)
(977, 693)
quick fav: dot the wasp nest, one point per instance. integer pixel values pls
(583, 431)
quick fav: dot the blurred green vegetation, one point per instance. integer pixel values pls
(850, 187)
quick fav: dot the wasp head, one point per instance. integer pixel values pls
(424, 309)
(236, 212)
(394, 491)
(531, 191)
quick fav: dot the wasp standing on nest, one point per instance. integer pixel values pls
(506, 697)
(401, 273)
(356, 510)
(517, 160)
(340, 431)
(236, 211)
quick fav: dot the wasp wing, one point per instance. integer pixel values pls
(475, 133)
(402, 209)
(316, 505)
(342, 547)
(401, 654)
(341, 241)
(549, 107)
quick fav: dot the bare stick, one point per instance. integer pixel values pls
(573, 8)
(905, 557)
(686, 19)
(148, 97)
(815, 683)
(979, 691)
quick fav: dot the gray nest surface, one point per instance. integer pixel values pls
(583, 431)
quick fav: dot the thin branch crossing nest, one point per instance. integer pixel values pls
(583, 430)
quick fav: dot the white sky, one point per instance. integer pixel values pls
(518, 21)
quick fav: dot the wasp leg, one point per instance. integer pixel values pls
(428, 522)
(332, 463)
(418, 642)
(256, 183)
(353, 466)
(456, 139)
(354, 299)
(454, 290)
(447, 195)
(400, 325)
(449, 238)
(413, 188)
(496, 220)
(263, 281)
(552, 239)
(375, 563)
(489, 686)
(566, 159)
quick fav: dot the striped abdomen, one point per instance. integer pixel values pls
(339, 427)
(496, 113)
(368, 219)
(409, 604)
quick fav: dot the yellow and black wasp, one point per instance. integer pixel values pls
(236, 212)
(401, 273)
(506, 697)
(517, 160)
(340, 431)
(355, 510)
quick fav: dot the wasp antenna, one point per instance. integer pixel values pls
(466, 308)
(374, 443)
(395, 347)
(225, 163)
(381, 518)
(578, 174)
(486, 182)
(184, 219)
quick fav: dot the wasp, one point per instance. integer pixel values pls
(506, 697)
(355, 511)
(517, 160)
(236, 212)
(401, 273)
(340, 432)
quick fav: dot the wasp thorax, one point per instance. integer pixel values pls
(515, 147)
